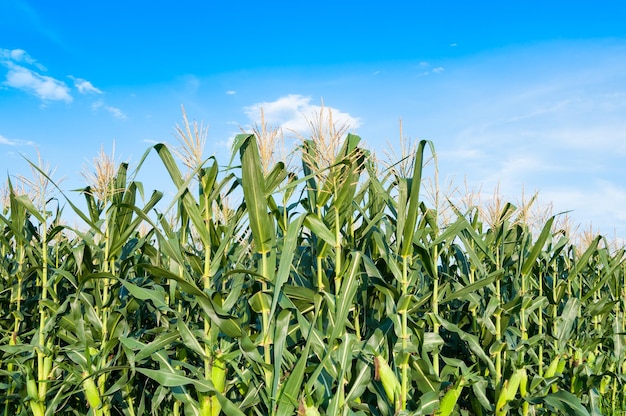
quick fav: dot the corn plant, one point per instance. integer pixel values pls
(331, 289)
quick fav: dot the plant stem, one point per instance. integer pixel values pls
(337, 252)
(435, 307)
(405, 337)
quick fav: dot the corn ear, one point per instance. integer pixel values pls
(511, 386)
(523, 385)
(218, 377)
(218, 374)
(591, 358)
(306, 410)
(91, 391)
(37, 408)
(31, 389)
(206, 405)
(448, 402)
(387, 377)
(35, 403)
(551, 371)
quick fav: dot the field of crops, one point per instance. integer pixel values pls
(333, 288)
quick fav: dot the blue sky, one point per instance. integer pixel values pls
(526, 95)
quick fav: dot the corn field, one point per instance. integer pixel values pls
(333, 288)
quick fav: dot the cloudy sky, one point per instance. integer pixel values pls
(528, 95)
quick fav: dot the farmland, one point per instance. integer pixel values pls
(334, 287)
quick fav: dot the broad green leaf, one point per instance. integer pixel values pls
(280, 341)
(471, 339)
(534, 253)
(254, 187)
(414, 201)
(345, 298)
(168, 379)
(157, 297)
(226, 323)
(566, 322)
(313, 223)
(474, 287)
(565, 402)
(286, 259)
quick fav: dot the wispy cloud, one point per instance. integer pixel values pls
(20, 56)
(424, 68)
(30, 80)
(42, 86)
(231, 92)
(554, 123)
(291, 113)
(114, 111)
(84, 87)
(226, 143)
(600, 205)
(9, 142)
(26, 74)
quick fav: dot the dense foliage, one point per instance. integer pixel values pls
(331, 289)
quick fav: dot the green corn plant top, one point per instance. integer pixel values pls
(335, 289)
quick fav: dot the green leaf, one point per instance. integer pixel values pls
(227, 324)
(171, 379)
(286, 258)
(534, 253)
(345, 298)
(313, 223)
(565, 402)
(471, 339)
(188, 338)
(414, 201)
(156, 296)
(253, 183)
(280, 340)
(566, 322)
(474, 287)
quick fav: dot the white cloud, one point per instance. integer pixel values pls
(114, 111)
(9, 142)
(41, 86)
(228, 143)
(424, 68)
(291, 113)
(20, 56)
(231, 92)
(4, 140)
(558, 130)
(45, 87)
(600, 205)
(84, 87)
(22, 78)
